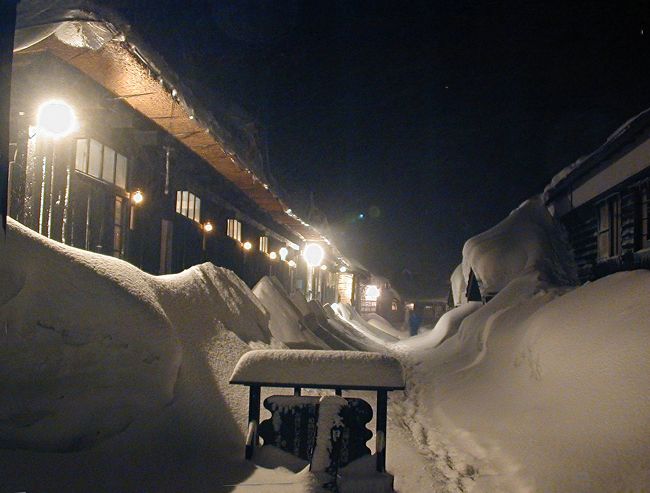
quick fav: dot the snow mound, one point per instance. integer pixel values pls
(446, 327)
(546, 390)
(384, 325)
(349, 316)
(528, 240)
(86, 346)
(285, 323)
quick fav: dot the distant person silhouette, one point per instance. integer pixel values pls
(415, 319)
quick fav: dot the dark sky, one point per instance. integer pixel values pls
(433, 119)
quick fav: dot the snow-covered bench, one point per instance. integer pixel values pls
(338, 370)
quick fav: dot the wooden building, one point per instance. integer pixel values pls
(603, 201)
(109, 152)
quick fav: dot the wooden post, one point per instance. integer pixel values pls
(7, 28)
(296, 390)
(382, 410)
(253, 420)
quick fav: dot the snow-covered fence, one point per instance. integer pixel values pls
(338, 370)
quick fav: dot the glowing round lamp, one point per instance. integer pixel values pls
(56, 119)
(372, 292)
(323, 267)
(313, 254)
(207, 227)
(343, 268)
(248, 245)
(273, 255)
(137, 197)
(283, 253)
(292, 263)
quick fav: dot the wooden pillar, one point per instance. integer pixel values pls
(253, 420)
(382, 410)
(297, 391)
(7, 28)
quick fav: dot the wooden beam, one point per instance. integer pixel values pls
(7, 28)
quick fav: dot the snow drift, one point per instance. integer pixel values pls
(86, 348)
(131, 367)
(528, 240)
(544, 388)
(285, 323)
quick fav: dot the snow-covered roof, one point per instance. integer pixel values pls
(319, 369)
(622, 136)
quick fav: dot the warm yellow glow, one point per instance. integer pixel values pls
(372, 292)
(323, 267)
(283, 253)
(313, 254)
(343, 268)
(56, 119)
(207, 227)
(273, 255)
(137, 197)
(292, 263)
(248, 245)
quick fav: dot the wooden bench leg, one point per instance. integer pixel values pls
(382, 410)
(253, 420)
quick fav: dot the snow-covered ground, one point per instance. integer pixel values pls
(115, 380)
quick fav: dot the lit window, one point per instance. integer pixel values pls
(264, 244)
(96, 159)
(188, 205)
(234, 229)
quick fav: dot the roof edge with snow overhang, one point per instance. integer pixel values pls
(117, 61)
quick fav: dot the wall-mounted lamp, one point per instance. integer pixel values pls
(314, 254)
(56, 119)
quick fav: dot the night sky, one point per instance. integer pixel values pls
(432, 119)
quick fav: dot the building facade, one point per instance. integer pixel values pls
(603, 201)
(107, 155)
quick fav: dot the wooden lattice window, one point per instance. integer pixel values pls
(609, 227)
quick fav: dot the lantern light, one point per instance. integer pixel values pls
(343, 269)
(323, 267)
(372, 292)
(283, 253)
(56, 118)
(273, 255)
(313, 254)
(248, 245)
(292, 263)
(137, 197)
(207, 227)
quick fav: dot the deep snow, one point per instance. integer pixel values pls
(544, 388)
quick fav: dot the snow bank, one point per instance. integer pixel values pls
(86, 345)
(528, 240)
(133, 367)
(314, 367)
(349, 316)
(544, 388)
(446, 327)
(285, 323)
(384, 325)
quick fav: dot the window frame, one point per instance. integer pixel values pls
(609, 237)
